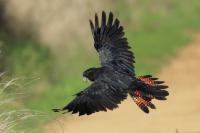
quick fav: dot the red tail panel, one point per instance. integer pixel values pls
(143, 100)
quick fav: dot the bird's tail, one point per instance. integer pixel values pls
(148, 88)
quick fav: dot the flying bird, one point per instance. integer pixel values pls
(116, 78)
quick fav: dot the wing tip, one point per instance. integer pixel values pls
(56, 110)
(96, 21)
(103, 12)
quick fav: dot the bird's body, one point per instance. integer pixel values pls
(115, 79)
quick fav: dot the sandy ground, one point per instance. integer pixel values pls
(180, 112)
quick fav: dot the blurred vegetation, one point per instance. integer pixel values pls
(156, 30)
(12, 113)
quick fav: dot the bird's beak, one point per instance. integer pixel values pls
(85, 79)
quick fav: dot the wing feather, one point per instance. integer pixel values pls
(112, 46)
(99, 96)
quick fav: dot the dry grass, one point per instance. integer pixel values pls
(10, 118)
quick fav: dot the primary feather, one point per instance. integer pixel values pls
(111, 44)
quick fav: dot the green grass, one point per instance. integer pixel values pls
(150, 54)
(156, 30)
(25, 56)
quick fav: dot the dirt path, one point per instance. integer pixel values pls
(181, 111)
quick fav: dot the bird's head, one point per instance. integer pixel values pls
(92, 74)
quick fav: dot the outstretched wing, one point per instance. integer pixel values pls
(99, 96)
(112, 46)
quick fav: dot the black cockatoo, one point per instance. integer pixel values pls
(115, 79)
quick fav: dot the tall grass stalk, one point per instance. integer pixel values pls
(10, 117)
